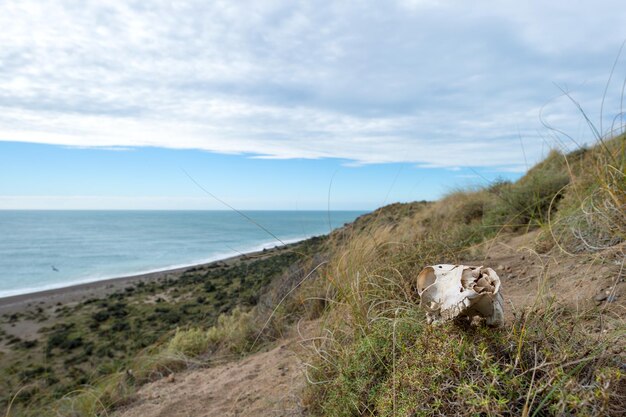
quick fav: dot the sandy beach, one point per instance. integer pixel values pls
(97, 289)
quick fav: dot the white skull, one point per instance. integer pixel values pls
(450, 291)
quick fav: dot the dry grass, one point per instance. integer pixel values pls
(592, 215)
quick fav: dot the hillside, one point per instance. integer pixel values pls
(338, 330)
(271, 383)
(556, 237)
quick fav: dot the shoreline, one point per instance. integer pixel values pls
(96, 289)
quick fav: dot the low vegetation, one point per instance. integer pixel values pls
(401, 367)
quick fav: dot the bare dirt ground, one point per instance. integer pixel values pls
(270, 383)
(581, 281)
(264, 384)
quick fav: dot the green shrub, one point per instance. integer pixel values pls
(528, 202)
(100, 316)
(234, 332)
(190, 342)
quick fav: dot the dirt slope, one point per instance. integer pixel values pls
(270, 383)
(582, 281)
(264, 384)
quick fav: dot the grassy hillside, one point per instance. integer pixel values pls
(375, 354)
(554, 356)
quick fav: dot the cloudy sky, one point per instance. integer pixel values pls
(103, 104)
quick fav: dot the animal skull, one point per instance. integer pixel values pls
(450, 291)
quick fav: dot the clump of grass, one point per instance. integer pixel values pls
(235, 332)
(592, 215)
(232, 334)
(529, 201)
(191, 342)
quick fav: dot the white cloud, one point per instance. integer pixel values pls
(430, 82)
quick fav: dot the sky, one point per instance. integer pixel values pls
(293, 104)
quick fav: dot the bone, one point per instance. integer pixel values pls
(451, 291)
(484, 284)
(476, 272)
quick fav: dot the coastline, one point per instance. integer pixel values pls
(96, 289)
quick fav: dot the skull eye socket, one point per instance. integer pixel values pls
(426, 278)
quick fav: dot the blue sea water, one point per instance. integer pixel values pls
(52, 249)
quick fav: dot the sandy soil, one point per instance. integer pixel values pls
(270, 383)
(263, 384)
(580, 281)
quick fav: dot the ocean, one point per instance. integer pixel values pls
(42, 250)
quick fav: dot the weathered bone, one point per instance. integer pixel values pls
(450, 291)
